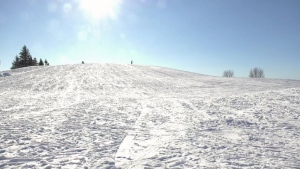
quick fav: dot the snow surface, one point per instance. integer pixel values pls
(131, 116)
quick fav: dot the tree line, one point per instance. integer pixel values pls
(254, 73)
(24, 59)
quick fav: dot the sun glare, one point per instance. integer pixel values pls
(100, 9)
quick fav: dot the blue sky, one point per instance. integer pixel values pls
(203, 36)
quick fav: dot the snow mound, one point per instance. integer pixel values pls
(132, 116)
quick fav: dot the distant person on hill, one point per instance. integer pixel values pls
(131, 62)
(82, 62)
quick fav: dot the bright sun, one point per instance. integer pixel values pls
(100, 9)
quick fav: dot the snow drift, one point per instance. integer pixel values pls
(130, 116)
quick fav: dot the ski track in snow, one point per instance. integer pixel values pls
(131, 116)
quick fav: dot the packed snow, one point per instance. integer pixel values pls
(132, 116)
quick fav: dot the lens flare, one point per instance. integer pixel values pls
(100, 9)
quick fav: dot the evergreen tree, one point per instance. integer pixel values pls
(35, 63)
(46, 62)
(30, 61)
(16, 63)
(25, 57)
(41, 63)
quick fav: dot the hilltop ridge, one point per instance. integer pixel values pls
(90, 76)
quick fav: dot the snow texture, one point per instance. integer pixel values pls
(131, 116)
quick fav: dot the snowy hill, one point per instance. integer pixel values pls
(130, 116)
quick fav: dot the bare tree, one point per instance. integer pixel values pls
(256, 73)
(228, 73)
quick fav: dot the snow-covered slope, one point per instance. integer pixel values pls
(130, 116)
